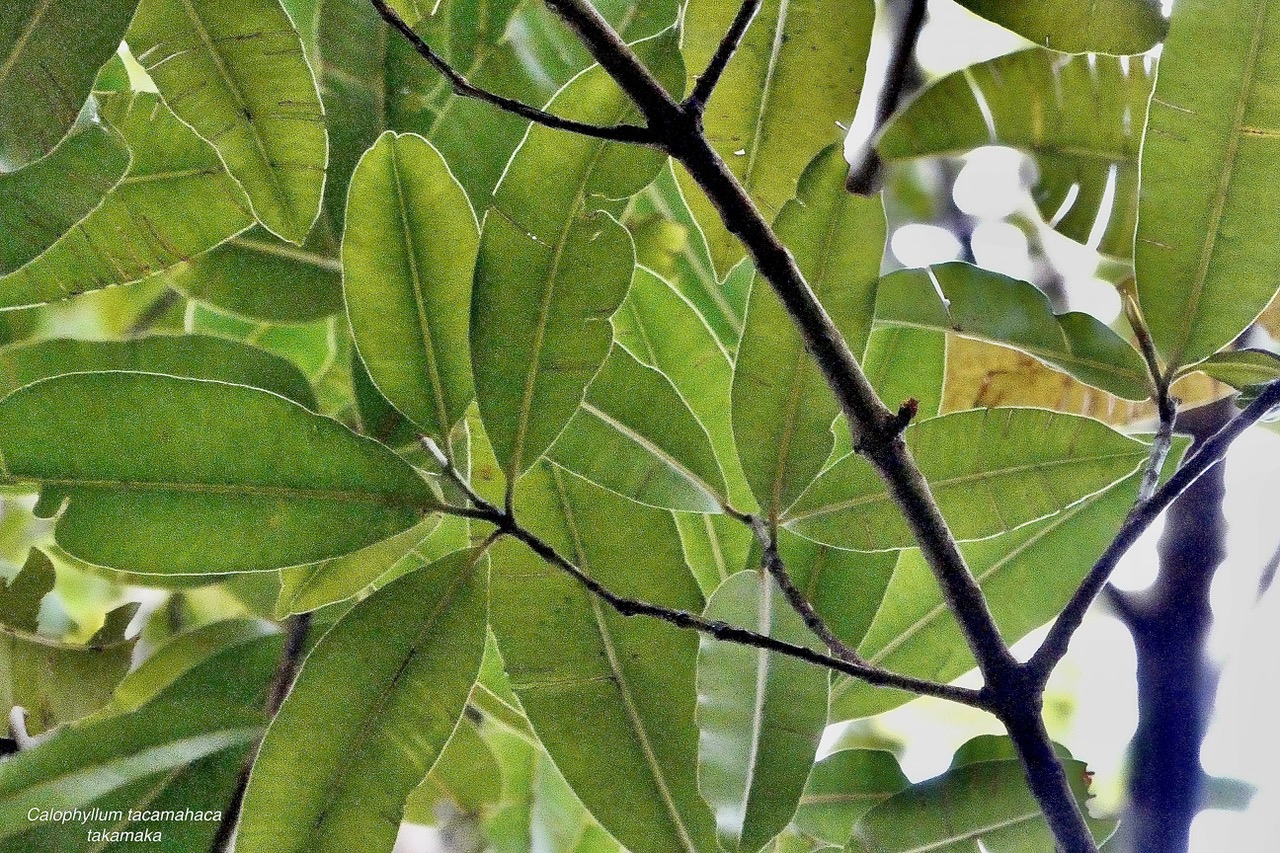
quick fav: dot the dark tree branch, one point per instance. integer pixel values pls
(864, 176)
(707, 80)
(1205, 456)
(461, 86)
(286, 671)
(774, 565)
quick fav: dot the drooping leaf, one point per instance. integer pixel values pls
(175, 201)
(843, 787)
(408, 255)
(636, 436)
(991, 471)
(611, 698)
(307, 588)
(104, 760)
(1241, 368)
(1211, 137)
(1076, 26)
(845, 587)
(377, 701)
(796, 77)
(1081, 118)
(760, 715)
(49, 54)
(42, 202)
(183, 476)
(55, 682)
(194, 356)
(983, 805)
(238, 75)
(664, 330)
(258, 275)
(782, 407)
(553, 267)
(1002, 310)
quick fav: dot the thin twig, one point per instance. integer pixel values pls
(1166, 405)
(707, 80)
(630, 133)
(864, 176)
(774, 565)
(1208, 454)
(286, 671)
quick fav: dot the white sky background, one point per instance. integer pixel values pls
(1099, 672)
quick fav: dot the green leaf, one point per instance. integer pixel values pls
(183, 476)
(376, 701)
(991, 471)
(782, 406)
(985, 805)
(793, 83)
(611, 698)
(42, 202)
(55, 682)
(194, 356)
(1240, 368)
(1080, 117)
(238, 76)
(913, 632)
(407, 259)
(715, 546)
(175, 201)
(104, 760)
(906, 364)
(845, 587)
(255, 274)
(664, 330)
(49, 54)
(1206, 159)
(1077, 26)
(991, 307)
(307, 588)
(843, 787)
(760, 715)
(466, 776)
(539, 331)
(636, 436)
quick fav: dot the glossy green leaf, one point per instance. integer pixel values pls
(42, 202)
(611, 698)
(1241, 368)
(116, 761)
(553, 267)
(845, 587)
(991, 471)
(906, 364)
(793, 83)
(55, 682)
(984, 805)
(636, 436)
(782, 407)
(182, 476)
(1081, 118)
(238, 75)
(307, 588)
(760, 715)
(407, 257)
(1077, 26)
(914, 633)
(1212, 136)
(49, 54)
(376, 700)
(991, 307)
(175, 201)
(194, 356)
(664, 330)
(258, 275)
(843, 787)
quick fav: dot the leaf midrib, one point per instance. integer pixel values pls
(231, 489)
(11, 60)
